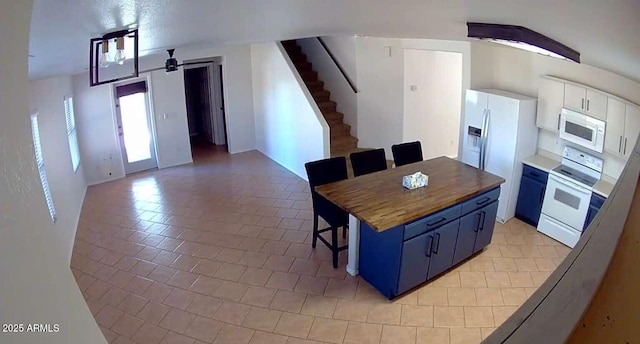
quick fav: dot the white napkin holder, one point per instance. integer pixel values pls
(416, 180)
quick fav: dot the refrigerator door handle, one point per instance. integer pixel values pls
(484, 139)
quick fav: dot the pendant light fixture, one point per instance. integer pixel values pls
(103, 54)
(522, 38)
(105, 59)
(120, 56)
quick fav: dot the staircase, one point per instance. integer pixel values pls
(341, 140)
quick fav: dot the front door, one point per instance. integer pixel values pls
(134, 127)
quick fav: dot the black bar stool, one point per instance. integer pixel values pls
(319, 173)
(406, 153)
(369, 161)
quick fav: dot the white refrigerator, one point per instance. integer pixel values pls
(499, 131)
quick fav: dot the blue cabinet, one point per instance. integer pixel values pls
(400, 258)
(476, 231)
(594, 206)
(443, 247)
(531, 195)
(416, 255)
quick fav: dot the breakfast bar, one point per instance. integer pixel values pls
(399, 238)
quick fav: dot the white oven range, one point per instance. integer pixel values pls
(568, 194)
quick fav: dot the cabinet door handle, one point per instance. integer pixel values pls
(479, 221)
(582, 106)
(559, 120)
(620, 144)
(427, 251)
(485, 200)
(436, 222)
(587, 104)
(483, 216)
(625, 146)
(437, 243)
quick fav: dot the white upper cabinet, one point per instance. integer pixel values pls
(631, 129)
(614, 135)
(596, 105)
(582, 99)
(550, 101)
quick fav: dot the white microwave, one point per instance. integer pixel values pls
(582, 130)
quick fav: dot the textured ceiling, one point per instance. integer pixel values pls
(604, 32)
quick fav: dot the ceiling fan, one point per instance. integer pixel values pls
(171, 65)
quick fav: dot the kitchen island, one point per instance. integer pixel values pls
(400, 238)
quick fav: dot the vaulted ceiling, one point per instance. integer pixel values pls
(604, 32)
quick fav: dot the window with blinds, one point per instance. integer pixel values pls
(71, 132)
(40, 162)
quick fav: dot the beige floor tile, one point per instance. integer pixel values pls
(386, 313)
(473, 279)
(429, 335)
(328, 330)
(267, 338)
(497, 279)
(205, 285)
(478, 317)
(127, 325)
(461, 297)
(353, 310)
(262, 319)
(433, 296)
(294, 325)
(234, 334)
(398, 335)
(417, 316)
(176, 338)
(204, 329)
(177, 320)
(132, 304)
(258, 296)
(362, 333)
(447, 280)
(319, 306)
(288, 301)
(448, 316)
(242, 256)
(521, 279)
(465, 335)
(232, 312)
(489, 297)
(311, 285)
(343, 289)
(500, 314)
(504, 264)
(283, 280)
(153, 312)
(205, 306)
(513, 296)
(231, 291)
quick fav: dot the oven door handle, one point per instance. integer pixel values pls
(570, 184)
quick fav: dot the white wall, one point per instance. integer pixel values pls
(518, 71)
(432, 92)
(290, 128)
(36, 285)
(67, 187)
(96, 113)
(344, 49)
(380, 65)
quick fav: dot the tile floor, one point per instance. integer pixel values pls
(218, 252)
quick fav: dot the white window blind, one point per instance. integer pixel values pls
(71, 132)
(40, 162)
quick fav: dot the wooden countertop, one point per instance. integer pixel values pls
(380, 200)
